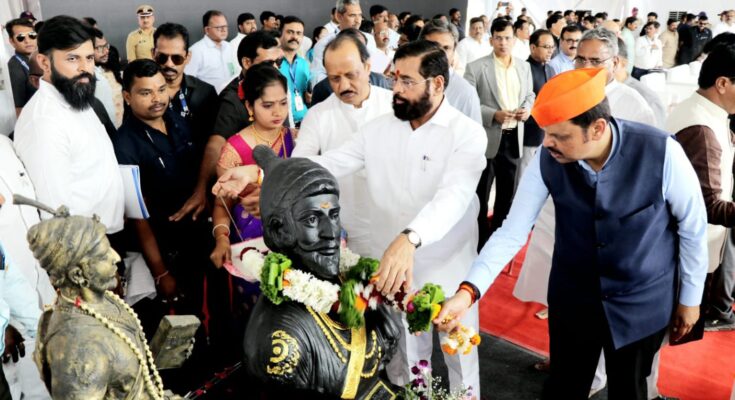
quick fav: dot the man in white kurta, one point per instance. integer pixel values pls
(69, 158)
(336, 120)
(421, 175)
(23, 377)
(474, 46)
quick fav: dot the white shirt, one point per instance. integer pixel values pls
(521, 49)
(317, 66)
(15, 221)
(424, 180)
(234, 44)
(626, 103)
(329, 125)
(212, 64)
(648, 53)
(7, 105)
(379, 60)
(103, 92)
(331, 27)
(722, 28)
(394, 37)
(469, 50)
(70, 158)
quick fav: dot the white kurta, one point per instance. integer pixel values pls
(469, 50)
(533, 281)
(70, 158)
(423, 179)
(23, 377)
(329, 125)
(212, 63)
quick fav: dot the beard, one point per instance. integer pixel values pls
(411, 110)
(80, 96)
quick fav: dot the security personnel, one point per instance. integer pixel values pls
(140, 41)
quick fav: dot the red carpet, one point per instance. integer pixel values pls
(702, 370)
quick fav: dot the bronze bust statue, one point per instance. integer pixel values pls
(90, 343)
(290, 348)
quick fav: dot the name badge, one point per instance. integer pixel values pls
(231, 68)
(298, 101)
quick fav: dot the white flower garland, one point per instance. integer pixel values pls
(308, 290)
(302, 287)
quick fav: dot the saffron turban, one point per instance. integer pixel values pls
(568, 95)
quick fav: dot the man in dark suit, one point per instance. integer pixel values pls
(542, 48)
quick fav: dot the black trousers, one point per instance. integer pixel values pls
(4, 388)
(575, 345)
(502, 169)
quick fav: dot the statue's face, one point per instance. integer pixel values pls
(317, 234)
(102, 271)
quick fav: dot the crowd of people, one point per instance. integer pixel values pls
(534, 110)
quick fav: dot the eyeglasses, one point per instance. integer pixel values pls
(102, 47)
(162, 58)
(21, 37)
(276, 63)
(547, 47)
(581, 61)
(571, 41)
(407, 84)
(220, 28)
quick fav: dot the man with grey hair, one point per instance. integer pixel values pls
(349, 15)
(599, 48)
(460, 94)
(622, 76)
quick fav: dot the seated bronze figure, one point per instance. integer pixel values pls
(290, 348)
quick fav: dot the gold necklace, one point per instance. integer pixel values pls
(155, 389)
(262, 139)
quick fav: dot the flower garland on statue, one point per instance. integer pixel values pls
(357, 293)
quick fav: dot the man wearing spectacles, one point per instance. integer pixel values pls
(564, 61)
(23, 39)
(599, 48)
(505, 87)
(542, 47)
(211, 57)
(106, 76)
(140, 41)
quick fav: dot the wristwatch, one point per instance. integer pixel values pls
(413, 237)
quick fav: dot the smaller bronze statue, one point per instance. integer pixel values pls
(90, 343)
(293, 350)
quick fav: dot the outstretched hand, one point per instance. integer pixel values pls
(453, 310)
(396, 266)
(234, 180)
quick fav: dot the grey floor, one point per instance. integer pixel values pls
(506, 371)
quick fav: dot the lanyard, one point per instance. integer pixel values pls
(184, 106)
(22, 62)
(292, 70)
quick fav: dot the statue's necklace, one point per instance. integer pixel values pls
(155, 390)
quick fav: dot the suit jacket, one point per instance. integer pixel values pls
(481, 74)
